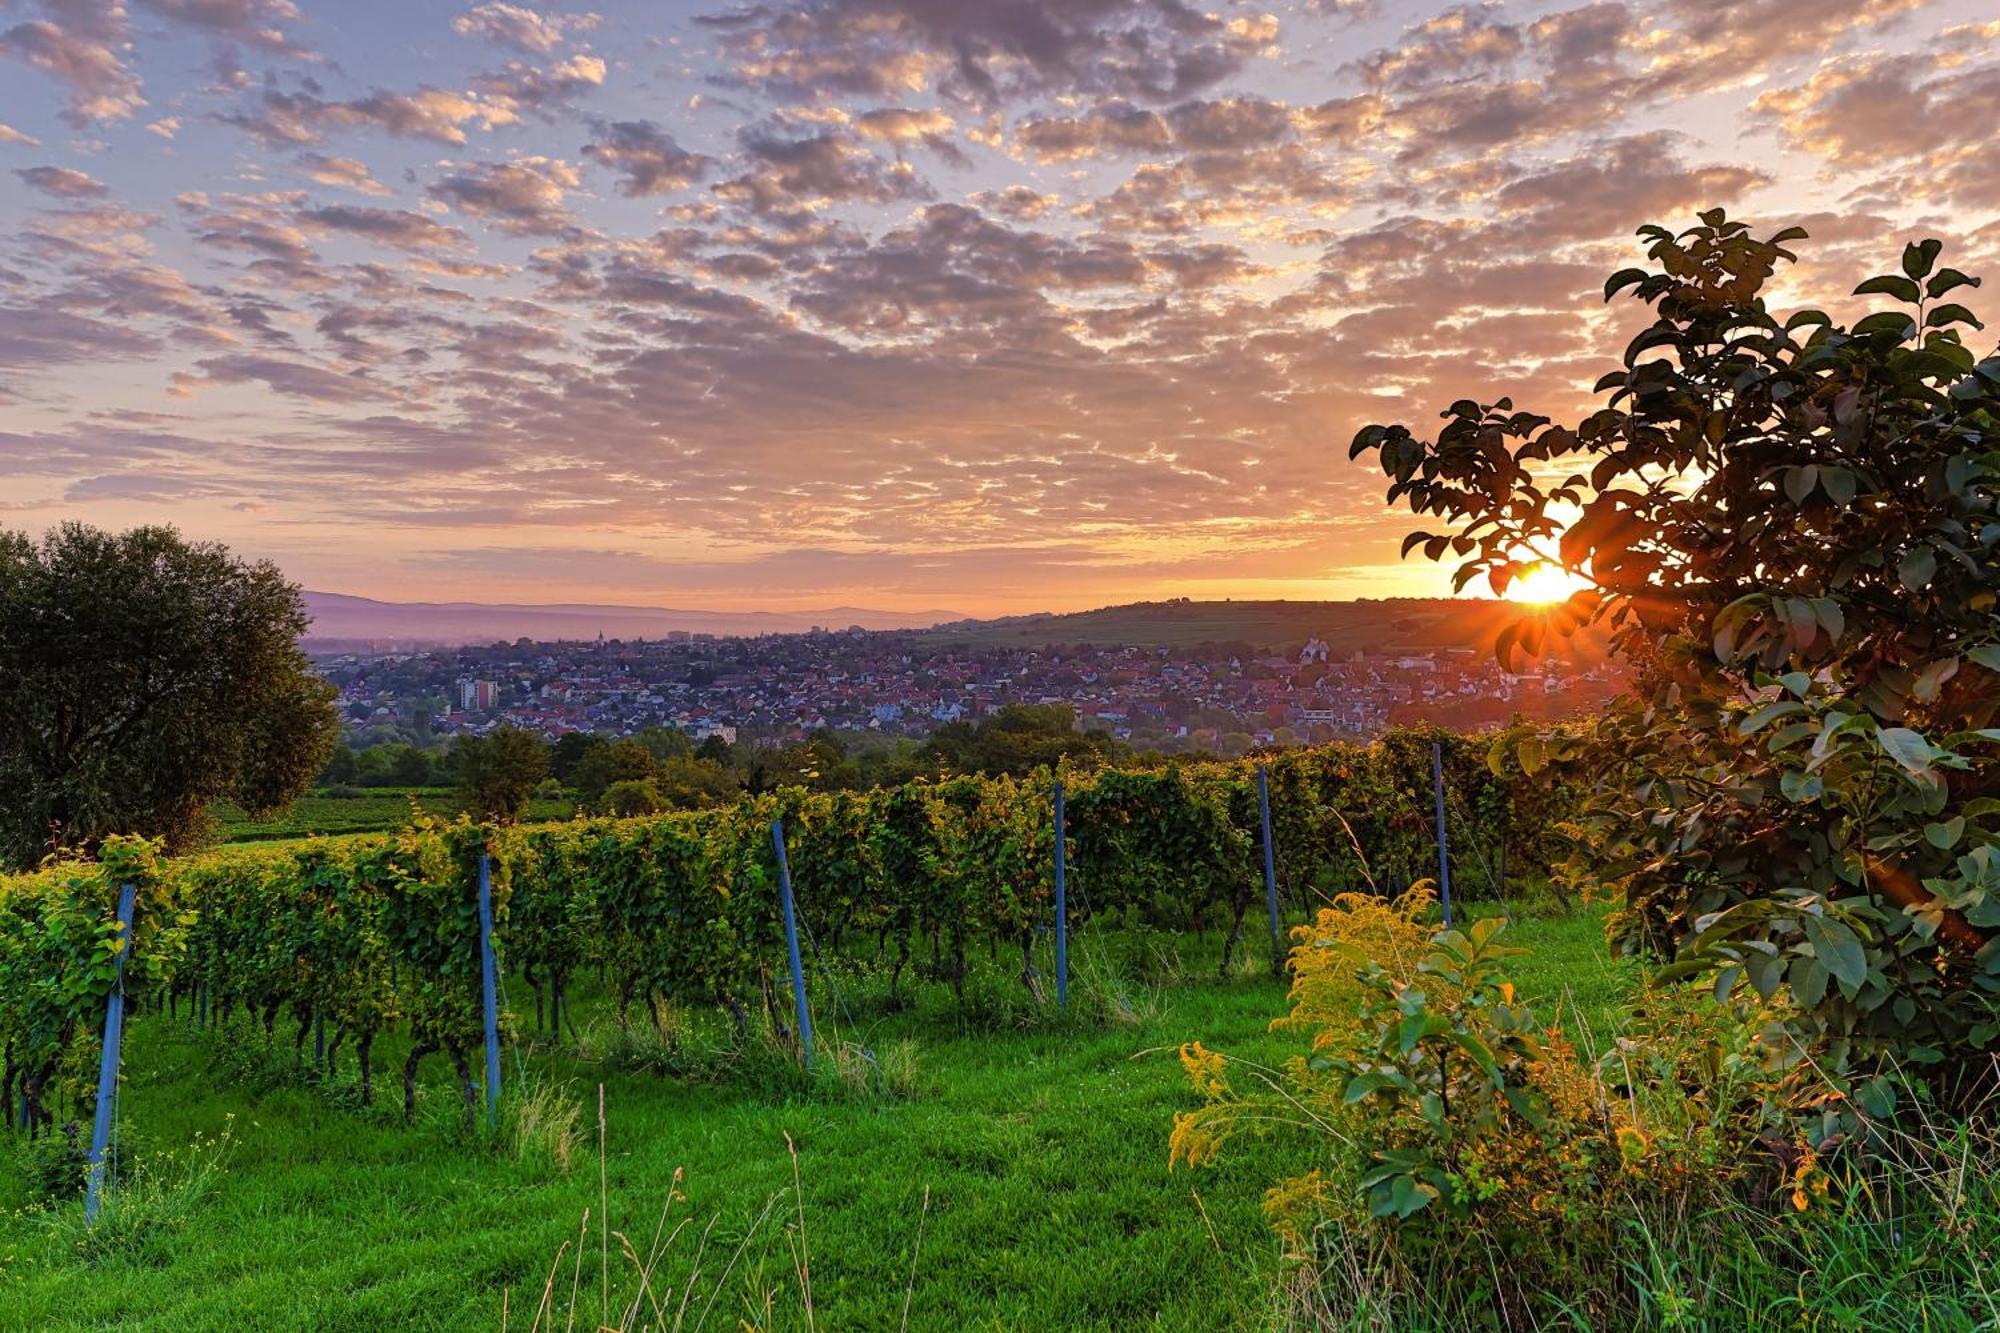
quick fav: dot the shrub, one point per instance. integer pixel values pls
(1446, 1110)
(1791, 528)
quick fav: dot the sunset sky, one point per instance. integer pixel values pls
(988, 306)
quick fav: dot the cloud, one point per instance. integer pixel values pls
(524, 87)
(1116, 127)
(346, 173)
(646, 158)
(395, 227)
(293, 379)
(811, 172)
(254, 23)
(63, 182)
(525, 30)
(81, 43)
(523, 197)
(1063, 294)
(8, 134)
(1927, 112)
(1151, 50)
(284, 120)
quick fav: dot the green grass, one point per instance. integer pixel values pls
(1041, 1143)
(366, 810)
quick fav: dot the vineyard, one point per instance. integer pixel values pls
(350, 938)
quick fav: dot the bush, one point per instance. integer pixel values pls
(1791, 528)
(1447, 1111)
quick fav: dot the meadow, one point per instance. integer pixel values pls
(996, 1165)
(330, 812)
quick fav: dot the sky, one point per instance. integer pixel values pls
(985, 307)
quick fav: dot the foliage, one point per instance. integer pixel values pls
(60, 946)
(1447, 1109)
(141, 678)
(1016, 741)
(498, 772)
(358, 937)
(1791, 526)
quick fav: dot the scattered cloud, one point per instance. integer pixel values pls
(645, 156)
(63, 182)
(527, 30)
(1024, 301)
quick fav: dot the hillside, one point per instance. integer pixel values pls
(340, 620)
(1412, 624)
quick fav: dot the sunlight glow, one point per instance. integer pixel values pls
(1544, 583)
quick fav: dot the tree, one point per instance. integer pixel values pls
(1790, 527)
(632, 796)
(341, 768)
(688, 784)
(609, 762)
(568, 752)
(143, 677)
(498, 772)
(665, 743)
(1016, 740)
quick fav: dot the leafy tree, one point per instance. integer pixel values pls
(1016, 741)
(1789, 526)
(568, 752)
(632, 796)
(687, 784)
(665, 743)
(142, 677)
(499, 771)
(609, 762)
(341, 767)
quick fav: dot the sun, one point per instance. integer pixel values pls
(1544, 583)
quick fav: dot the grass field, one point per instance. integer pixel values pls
(366, 810)
(1018, 1180)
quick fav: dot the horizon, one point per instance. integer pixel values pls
(860, 303)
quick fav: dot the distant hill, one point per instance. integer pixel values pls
(1410, 624)
(341, 621)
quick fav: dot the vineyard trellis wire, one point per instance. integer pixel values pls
(359, 935)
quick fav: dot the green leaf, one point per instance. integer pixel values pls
(1919, 256)
(1800, 482)
(1361, 1085)
(1948, 279)
(1903, 289)
(1951, 313)
(1887, 321)
(1800, 787)
(1808, 979)
(1400, 1196)
(1837, 950)
(1765, 714)
(1624, 277)
(1986, 654)
(1907, 748)
(1945, 834)
(1917, 568)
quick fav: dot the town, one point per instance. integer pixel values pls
(776, 689)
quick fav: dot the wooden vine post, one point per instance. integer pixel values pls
(107, 1068)
(1062, 906)
(488, 987)
(1444, 847)
(1270, 873)
(792, 944)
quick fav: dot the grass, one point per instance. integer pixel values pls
(992, 1168)
(360, 810)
